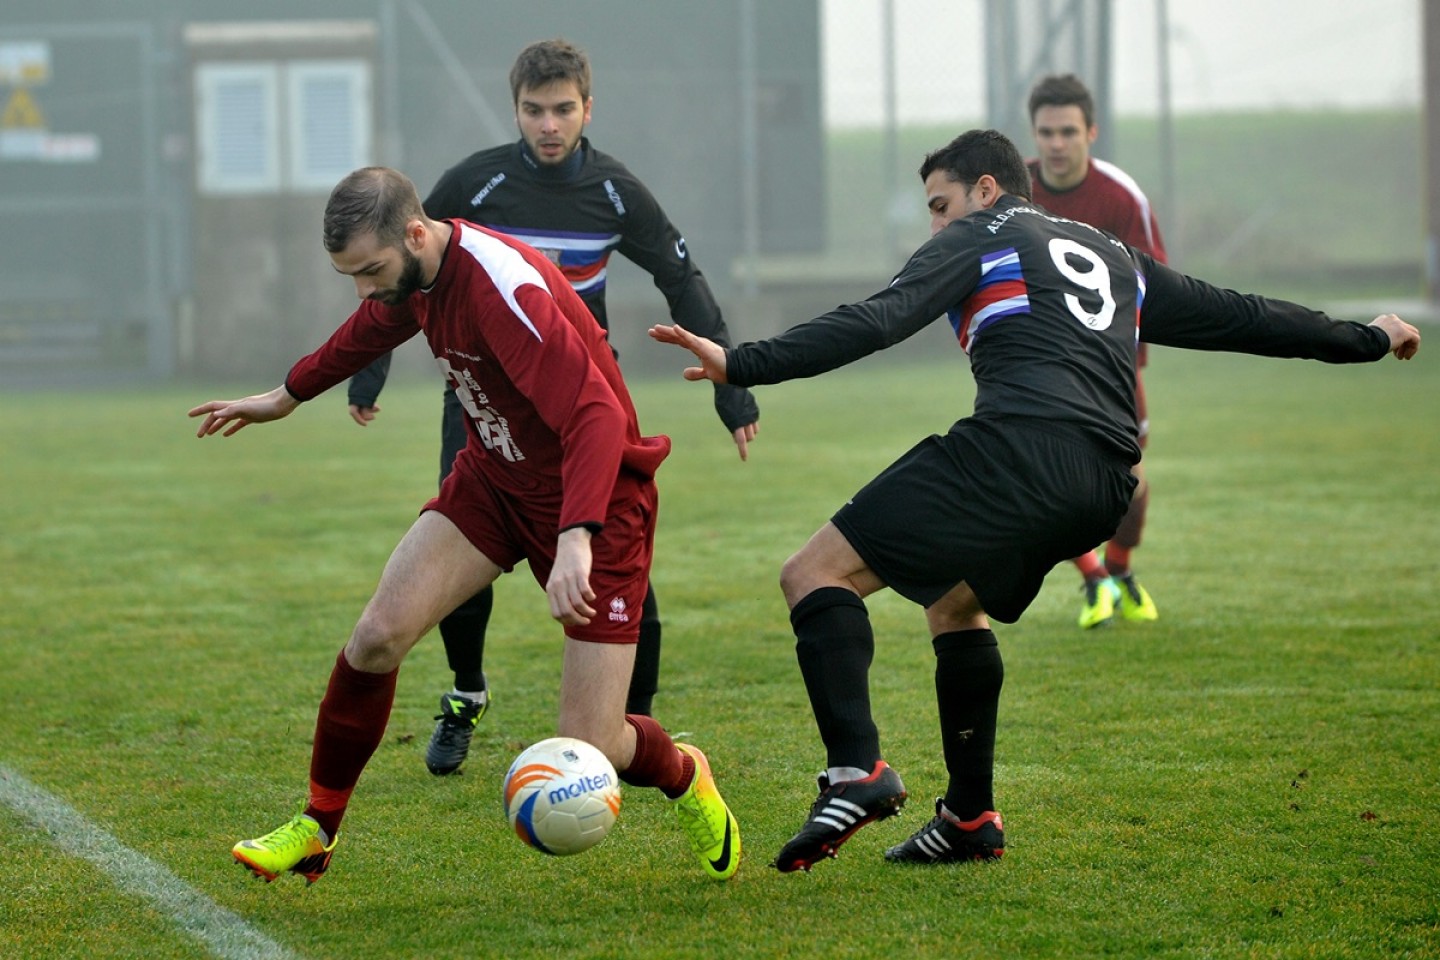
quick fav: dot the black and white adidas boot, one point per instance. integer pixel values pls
(840, 810)
(948, 839)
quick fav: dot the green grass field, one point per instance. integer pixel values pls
(1256, 775)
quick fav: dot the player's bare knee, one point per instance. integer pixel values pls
(379, 641)
(797, 578)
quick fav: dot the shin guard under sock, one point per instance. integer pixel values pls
(350, 725)
(835, 645)
(968, 677)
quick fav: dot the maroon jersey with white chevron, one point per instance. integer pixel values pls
(1107, 198)
(550, 416)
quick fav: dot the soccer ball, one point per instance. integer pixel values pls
(562, 796)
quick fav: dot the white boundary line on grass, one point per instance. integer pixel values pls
(225, 933)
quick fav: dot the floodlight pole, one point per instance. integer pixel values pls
(749, 153)
(1167, 209)
(891, 158)
(1431, 69)
(392, 142)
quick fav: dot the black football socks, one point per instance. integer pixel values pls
(835, 645)
(968, 677)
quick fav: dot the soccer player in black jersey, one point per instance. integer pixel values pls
(967, 524)
(577, 205)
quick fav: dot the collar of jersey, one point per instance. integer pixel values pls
(568, 170)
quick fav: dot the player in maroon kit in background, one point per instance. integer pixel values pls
(554, 471)
(1069, 182)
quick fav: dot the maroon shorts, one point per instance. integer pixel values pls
(507, 529)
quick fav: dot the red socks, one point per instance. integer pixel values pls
(349, 728)
(658, 762)
(1117, 559)
(1090, 566)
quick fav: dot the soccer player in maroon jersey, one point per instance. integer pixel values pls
(554, 471)
(576, 204)
(1069, 181)
(967, 524)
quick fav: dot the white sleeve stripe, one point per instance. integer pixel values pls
(507, 269)
(1132, 188)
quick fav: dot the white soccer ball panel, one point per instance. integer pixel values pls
(561, 796)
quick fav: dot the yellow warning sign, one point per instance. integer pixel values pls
(22, 111)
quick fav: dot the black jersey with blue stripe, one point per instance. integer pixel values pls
(1049, 311)
(578, 218)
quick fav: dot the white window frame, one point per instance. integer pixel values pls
(213, 177)
(303, 174)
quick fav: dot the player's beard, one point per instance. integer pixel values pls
(569, 148)
(411, 279)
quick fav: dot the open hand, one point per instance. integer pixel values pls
(710, 354)
(232, 415)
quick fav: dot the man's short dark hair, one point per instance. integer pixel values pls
(1063, 90)
(375, 200)
(550, 61)
(977, 152)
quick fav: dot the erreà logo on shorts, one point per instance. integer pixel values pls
(617, 611)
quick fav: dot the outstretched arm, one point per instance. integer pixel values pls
(710, 354)
(1182, 311)
(1404, 339)
(231, 415)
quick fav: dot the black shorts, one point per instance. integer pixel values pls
(996, 505)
